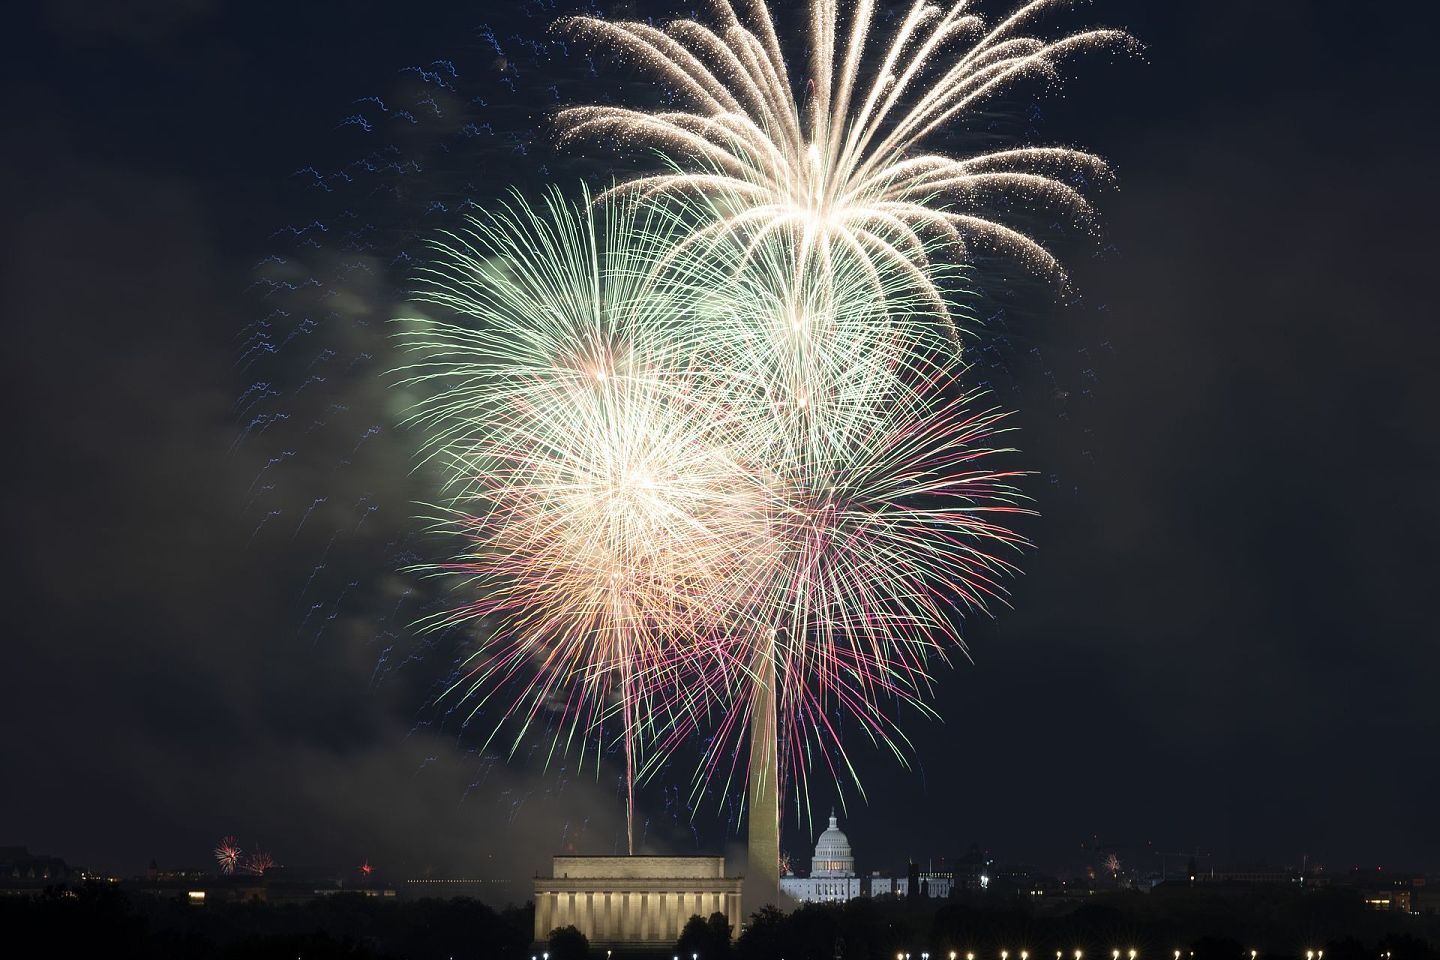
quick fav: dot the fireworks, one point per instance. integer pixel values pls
(884, 512)
(871, 555)
(877, 550)
(599, 478)
(257, 863)
(702, 443)
(227, 854)
(842, 169)
(664, 472)
(231, 859)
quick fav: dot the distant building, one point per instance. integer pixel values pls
(23, 872)
(832, 871)
(1426, 897)
(971, 873)
(926, 883)
(633, 900)
(277, 885)
(1403, 893)
(833, 878)
(202, 890)
(1254, 877)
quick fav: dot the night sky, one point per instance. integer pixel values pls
(1224, 641)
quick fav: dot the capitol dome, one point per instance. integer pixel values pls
(832, 853)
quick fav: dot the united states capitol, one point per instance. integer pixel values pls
(833, 878)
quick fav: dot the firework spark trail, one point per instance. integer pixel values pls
(594, 472)
(844, 169)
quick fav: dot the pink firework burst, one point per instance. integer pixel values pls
(227, 854)
(258, 863)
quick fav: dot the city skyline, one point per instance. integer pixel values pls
(1139, 862)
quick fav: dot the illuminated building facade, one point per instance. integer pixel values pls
(832, 871)
(833, 878)
(634, 900)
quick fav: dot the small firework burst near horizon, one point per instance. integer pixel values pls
(228, 854)
(257, 863)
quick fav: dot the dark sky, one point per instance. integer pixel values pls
(1224, 641)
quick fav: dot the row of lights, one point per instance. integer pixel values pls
(1005, 955)
(1025, 955)
(546, 956)
(1079, 955)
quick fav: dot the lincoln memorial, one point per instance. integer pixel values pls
(633, 899)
